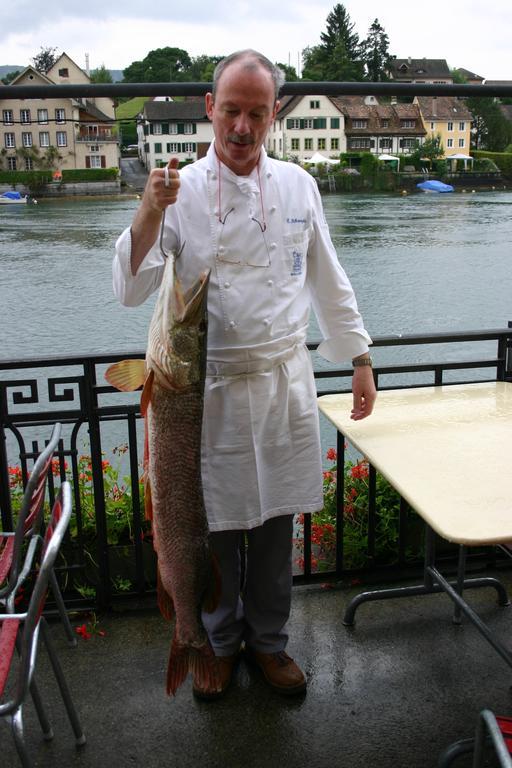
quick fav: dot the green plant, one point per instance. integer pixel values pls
(355, 520)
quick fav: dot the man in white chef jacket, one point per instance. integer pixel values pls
(258, 223)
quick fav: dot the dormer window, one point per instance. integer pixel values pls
(64, 72)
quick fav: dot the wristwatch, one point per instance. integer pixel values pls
(357, 361)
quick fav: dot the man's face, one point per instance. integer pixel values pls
(242, 113)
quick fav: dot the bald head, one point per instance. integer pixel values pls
(249, 60)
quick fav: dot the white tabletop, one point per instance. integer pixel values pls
(447, 450)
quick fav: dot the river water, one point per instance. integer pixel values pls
(418, 263)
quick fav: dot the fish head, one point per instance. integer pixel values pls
(178, 332)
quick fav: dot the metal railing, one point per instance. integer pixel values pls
(36, 393)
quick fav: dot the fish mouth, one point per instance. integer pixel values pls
(190, 304)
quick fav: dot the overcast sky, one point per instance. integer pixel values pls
(467, 33)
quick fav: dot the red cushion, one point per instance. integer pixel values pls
(6, 551)
(8, 632)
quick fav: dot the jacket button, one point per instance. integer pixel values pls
(270, 282)
(266, 321)
(273, 209)
(232, 323)
(222, 249)
(227, 285)
(273, 246)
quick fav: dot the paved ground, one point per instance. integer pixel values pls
(133, 173)
(392, 692)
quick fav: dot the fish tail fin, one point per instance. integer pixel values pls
(200, 661)
(214, 589)
(165, 602)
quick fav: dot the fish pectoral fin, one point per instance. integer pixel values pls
(126, 375)
(214, 589)
(165, 602)
(199, 660)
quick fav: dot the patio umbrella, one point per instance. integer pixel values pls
(318, 158)
(385, 158)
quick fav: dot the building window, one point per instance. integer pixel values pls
(384, 123)
(293, 123)
(42, 116)
(360, 144)
(26, 139)
(335, 143)
(189, 147)
(29, 164)
(62, 139)
(295, 145)
(450, 126)
(9, 140)
(60, 115)
(408, 123)
(173, 147)
(157, 129)
(95, 162)
(408, 143)
(308, 123)
(64, 72)
(462, 126)
(432, 126)
(25, 116)
(94, 148)
(461, 143)
(173, 127)
(359, 123)
(8, 116)
(11, 163)
(188, 128)
(314, 104)
(308, 144)
(335, 122)
(158, 148)
(449, 143)
(385, 143)
(44, 139)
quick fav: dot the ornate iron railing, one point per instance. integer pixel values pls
(97, 419)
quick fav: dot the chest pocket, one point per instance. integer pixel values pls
(295, 250)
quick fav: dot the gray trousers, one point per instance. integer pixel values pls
(257, 611)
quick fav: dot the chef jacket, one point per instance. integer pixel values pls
(266, 241)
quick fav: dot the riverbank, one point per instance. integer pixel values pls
(387, 181)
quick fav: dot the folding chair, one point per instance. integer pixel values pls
(28, 526)
(21, 631)
(491, 731)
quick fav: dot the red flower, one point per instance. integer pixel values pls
(82, 631)
(331, 454)
(359, 471)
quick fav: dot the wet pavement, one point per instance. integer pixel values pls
(133, 174)
(395, 690)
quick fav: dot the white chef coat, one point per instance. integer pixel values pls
(266, 240)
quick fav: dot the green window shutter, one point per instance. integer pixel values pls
(181, 128)
(165, 127)
(194, 128)
(319, 122)
(151, 128)
(146, 130)
(335, 122)
(158, 148)
(301, 122)
(168, 148)
(289, 122)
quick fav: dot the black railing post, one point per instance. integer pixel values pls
(340, 501)
(91, 405)
(5, 493)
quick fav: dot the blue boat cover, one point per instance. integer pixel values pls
(434, 186)
(12, 195)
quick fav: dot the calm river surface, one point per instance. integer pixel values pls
(418, 263)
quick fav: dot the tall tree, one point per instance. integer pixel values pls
(201, 68)
(45, 59)
(101, 75)
(162, 65)
(375, 53)
(491, 129)
(338, 56)
(290, 72)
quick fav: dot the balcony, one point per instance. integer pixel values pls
(96, 137)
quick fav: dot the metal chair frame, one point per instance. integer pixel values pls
(20, 631)
(490, 731)
(28, 527)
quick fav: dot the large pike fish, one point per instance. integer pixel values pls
(173, 376)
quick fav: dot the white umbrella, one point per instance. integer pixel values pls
(460, 156)
(390, 157)
(318, 158)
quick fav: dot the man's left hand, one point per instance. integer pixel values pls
(363, 391)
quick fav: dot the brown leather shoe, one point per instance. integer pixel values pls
(279, 670)
(225, 667)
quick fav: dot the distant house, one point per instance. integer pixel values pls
(380, 128)
(470, 77)
(420, 71)
(75, 133)
(178, 128)
(449, 118)
(305, 125)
